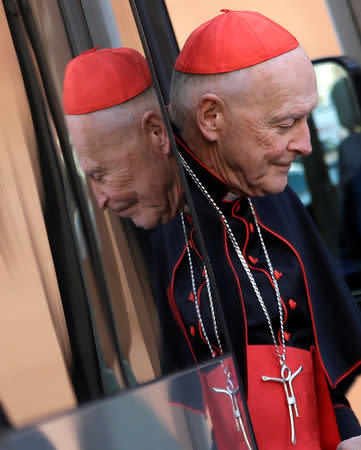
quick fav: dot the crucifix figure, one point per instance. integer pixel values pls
(286, 379)
(231, 392)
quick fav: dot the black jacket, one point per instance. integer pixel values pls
(319, 308)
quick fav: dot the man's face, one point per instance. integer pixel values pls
(129, 172)
(266, 129)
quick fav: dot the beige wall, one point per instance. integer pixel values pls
(308, 20)
(354, 397)
(33, 378)
(126, 25)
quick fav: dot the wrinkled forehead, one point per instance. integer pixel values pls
(98, 130)
(289, 77)
(289, 67)
(106, 155)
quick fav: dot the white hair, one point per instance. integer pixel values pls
(131, 111)
(126, 114)
(186, 90)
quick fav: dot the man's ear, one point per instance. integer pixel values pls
(210, 116)
(155, 128)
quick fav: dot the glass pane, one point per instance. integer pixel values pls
(179, 412)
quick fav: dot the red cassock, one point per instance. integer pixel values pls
(315, 428)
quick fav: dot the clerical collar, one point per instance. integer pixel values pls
(215, 185)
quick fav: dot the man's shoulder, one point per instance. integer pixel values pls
(287, 195)
(284, 204)
(167, 240)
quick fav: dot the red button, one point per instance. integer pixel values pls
(278, 275)
(191, 297)
(192, 330)
(253, 259)
(287, 336)
(292, 304)
(251, 227)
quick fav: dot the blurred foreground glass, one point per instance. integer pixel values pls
(150, 417)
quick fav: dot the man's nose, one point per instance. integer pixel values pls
(101, 198)
(301, 141)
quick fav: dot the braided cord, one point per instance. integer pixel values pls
(281, 356)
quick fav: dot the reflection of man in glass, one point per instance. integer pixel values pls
(240, 96)
(116, 128)
(117, 131)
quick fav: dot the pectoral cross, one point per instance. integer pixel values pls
(231, 392)
(286, 379)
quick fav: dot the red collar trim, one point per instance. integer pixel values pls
(174, 306)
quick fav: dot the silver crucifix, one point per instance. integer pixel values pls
(231, 392)
(286, 379)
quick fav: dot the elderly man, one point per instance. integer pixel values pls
(119, 135)
(240, 96)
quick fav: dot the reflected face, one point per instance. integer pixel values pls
(131, 170)
(266, 128)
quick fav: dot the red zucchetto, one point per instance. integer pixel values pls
(98, 79)
(232, 41)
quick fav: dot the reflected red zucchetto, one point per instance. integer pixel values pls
(99, 79)
(231, 41)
